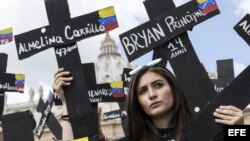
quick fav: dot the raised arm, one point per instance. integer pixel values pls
(61, 78)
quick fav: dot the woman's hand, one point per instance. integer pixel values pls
(229, 115)
(61, 78)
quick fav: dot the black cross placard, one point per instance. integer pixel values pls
(64, 30)
(3, 67)
(243, 28)
(106, 92)
(165, 27)
(4, 61)
(126, 77)
(48, 118)
(12, 82)
(114, 114)
(9, 82)
(89, 73)
(11, 122)
(18, 126)
(203, 127)
(121, 113)
(112, 88)
(187, 68)
(225, 70)
(62, 33)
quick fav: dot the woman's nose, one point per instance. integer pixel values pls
(152, 93)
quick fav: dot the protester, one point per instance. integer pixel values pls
(157, 108)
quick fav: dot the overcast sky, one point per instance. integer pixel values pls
(213, 39)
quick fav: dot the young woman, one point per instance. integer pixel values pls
(157, 108)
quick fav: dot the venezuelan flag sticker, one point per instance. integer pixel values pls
(6, 35)
(207, 6)
(107, 18)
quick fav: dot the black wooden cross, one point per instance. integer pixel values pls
(3, 66)
(203, 126)
(18, 126)
(115, 114)
(12, 83)
(8, 82)
(237, 94)
(243, 28)
(106, 92)
(166, 26)
(179, 51)
(121, 112)
(62, 33)
(225, 70)
(48, 118)
(93, 87)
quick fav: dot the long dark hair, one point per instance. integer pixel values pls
(140, 125)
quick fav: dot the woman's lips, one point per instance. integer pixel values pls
(155, 104)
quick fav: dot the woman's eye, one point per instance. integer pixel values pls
(142, 91)
(158, 85)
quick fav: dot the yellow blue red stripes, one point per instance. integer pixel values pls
(108, 18)
(207, 6)
(117, 89)
(6, 35)
(19, 82)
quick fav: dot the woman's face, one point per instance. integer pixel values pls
(155, 95)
